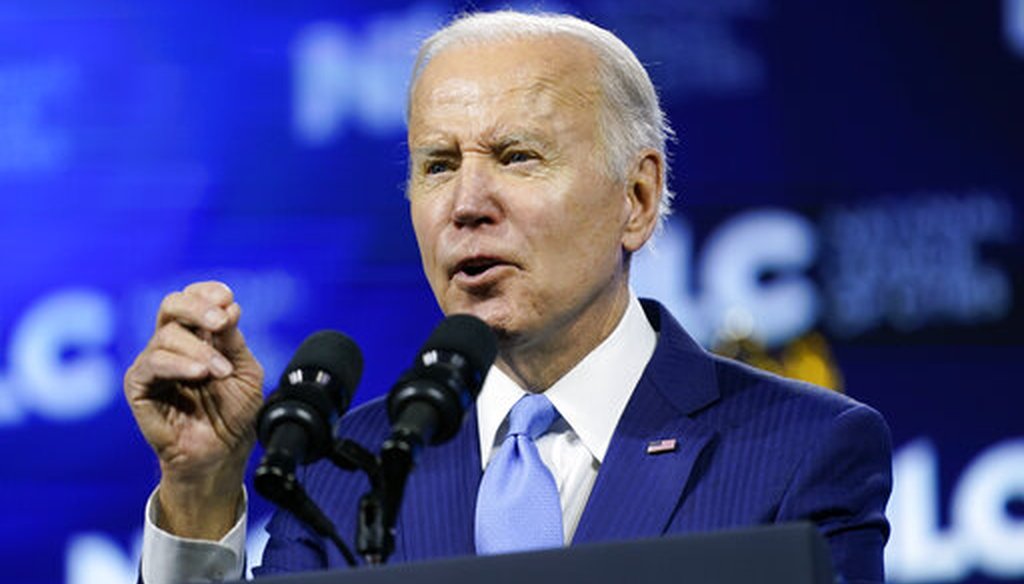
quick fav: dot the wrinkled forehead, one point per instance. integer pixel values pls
(546, 71)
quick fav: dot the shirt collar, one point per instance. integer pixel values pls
(590, 397)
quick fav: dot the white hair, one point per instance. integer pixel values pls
(630, 118)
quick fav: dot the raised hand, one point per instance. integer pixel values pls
(195, 391)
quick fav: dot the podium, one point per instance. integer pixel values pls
(783, 554)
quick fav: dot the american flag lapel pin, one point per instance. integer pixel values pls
(661, 446)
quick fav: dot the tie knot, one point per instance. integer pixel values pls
(532, 415)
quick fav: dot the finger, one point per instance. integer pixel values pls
(174, 366)
(228, 336)
(231, 343)
(216, 292)
(161, 364)
(177, 339)
(234, 313)
(192, 310)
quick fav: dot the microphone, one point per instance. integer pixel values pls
(427, 403)
(295, 424)
(425, 406)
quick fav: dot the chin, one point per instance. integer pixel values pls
(496, 312)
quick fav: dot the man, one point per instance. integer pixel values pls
(537, 168)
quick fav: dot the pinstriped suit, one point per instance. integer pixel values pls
(752, 449)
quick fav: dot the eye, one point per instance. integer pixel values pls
(437, 166)
(517, 157)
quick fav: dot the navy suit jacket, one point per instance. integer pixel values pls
(753, 448)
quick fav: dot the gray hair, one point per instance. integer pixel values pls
(630, 117)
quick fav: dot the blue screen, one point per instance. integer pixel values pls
(849, 180)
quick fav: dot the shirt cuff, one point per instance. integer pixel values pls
(169, 559)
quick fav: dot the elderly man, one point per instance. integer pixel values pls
(537, 168)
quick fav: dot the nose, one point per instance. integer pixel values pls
(476, 200)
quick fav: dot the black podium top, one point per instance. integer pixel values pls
(790, 554)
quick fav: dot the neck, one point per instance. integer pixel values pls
(537, 362)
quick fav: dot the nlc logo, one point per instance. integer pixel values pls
(59, 363)
(61, 360)
(982, 533)
(341, 78)
(728, 287)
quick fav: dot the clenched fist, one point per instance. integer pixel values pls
(195, 391)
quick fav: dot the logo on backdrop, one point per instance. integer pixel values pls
(344, 79)
(982, 534)
(341, 78)
(61, 360)
(903, 262)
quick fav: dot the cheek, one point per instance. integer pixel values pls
(596, 234)
(422, 226)
(595, 212)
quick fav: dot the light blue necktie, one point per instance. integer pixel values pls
(517, 506)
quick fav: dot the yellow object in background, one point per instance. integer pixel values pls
(807, 358)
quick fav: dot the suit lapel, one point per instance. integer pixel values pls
(636, 493)
(440, 499)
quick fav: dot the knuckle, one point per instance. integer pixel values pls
(212, 290)
(138, 374)
(169, 308)
(233, 314)
(169, 301)
(130, 374)
(225, 290)
(158, 359)
(208, 353)
(164, 336)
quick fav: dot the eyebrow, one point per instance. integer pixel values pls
(518, 139)
(434, 151)
(499, 143)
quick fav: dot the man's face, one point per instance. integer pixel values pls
(517, 220)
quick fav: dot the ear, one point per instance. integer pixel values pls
(643, 199)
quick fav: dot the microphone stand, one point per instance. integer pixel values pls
(276, 480)
(426, 406)
(374, 534)
(378, 508)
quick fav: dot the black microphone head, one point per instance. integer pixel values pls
(315, 388)
(332, 352)
(467, 335)
(427, 404)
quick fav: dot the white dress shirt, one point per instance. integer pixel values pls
(590, 399)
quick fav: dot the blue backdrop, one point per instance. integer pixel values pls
(850, 179)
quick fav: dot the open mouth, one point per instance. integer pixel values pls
(473, 267)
